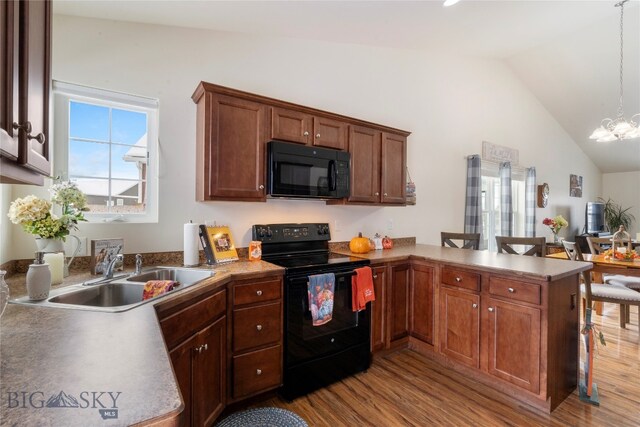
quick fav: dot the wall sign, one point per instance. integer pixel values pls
(498, 153)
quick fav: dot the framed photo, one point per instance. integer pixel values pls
(575, 186)
(103, 248)
(218, 244)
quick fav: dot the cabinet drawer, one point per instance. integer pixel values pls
(253, 292)
(257, 371)
(184, 323)
(461, 279)
(520, 291)
(256, 326)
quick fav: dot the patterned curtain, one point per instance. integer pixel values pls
(506, 208)
(530, 203)
(473, 201)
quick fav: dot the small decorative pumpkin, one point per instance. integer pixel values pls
(359, 245)
(387, 243)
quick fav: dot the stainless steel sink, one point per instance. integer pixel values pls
(120, 293)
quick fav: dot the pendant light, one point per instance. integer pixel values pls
(620, 128)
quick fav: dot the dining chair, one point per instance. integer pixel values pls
(469, 240)
(616, 294)
(538, 245)
(596, 244)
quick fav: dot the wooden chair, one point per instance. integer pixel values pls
(469, 240)
(617, 294)
(538, 245)
(595, 244)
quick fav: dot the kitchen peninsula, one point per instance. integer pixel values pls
(430, 298)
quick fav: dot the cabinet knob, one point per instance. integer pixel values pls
(198, 349)
(317, 135)
(206, 347)
(491, 309)
(258, 327)
(511, 290)
(306, 133)
(458, 279)
(259, 292)
(258, 371)
(261, 187)
(474, 305)
(375, 276)
(385, 194)
(26, 126)
(377, 194)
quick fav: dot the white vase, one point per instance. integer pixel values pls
(49, 245)
(38, 281)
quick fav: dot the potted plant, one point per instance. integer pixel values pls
(615, 215)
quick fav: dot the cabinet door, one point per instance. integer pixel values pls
(378, 307)
(399, 301)
(234, 152)
(181, 359)
(290, 125)
(9, 24)
(209, 375)
(35, 82)
(364, 147)
(394, 164)
(460, 325)
(514, 343)
(422, 302)
(329, 133)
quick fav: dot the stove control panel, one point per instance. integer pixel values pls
(284, 233)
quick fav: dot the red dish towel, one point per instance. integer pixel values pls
(154, 288)
(362, 288)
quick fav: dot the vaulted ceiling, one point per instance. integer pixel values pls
(565, 52)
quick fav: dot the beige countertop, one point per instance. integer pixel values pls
(91, 357)
(525, 266)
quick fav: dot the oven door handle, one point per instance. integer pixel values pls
(333, 175)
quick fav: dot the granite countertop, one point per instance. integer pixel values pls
(536, 268)
(93, 362)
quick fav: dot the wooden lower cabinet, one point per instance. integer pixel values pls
(460, 326)
(398, 291)
(200, 367)
(378, 309)
(422, 307)
(514, 343)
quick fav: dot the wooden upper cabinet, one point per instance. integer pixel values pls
(460, 326)
(25, 60)
(364, 147)
(290, 125)
(393, 170)
(330, 133)
(422, 310)
(230, 152)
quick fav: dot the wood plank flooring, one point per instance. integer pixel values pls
(407, 389)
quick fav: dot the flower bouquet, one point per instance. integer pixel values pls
(620, 256)
(555, 224)
(36, 217)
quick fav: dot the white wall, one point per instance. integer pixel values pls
(624, 189)
(449, 103)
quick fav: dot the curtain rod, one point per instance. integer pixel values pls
(493, 162)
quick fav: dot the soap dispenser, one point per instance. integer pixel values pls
(38, 278)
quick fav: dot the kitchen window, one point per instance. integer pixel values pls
(107, 143)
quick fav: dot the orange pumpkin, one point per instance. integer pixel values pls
(359, 245)
(387, 243)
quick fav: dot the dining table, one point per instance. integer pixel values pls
(605, 265)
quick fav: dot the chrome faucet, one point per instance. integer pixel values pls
(109, 265)
(138, 269)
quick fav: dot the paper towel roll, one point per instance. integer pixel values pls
(56, 265)
(191, 245)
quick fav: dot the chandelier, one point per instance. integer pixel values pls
(619, 128)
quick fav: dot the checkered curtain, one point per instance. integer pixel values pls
(473, 201)
(530, 203)
(506, 208)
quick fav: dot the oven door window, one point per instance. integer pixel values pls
(301, 176)
(346, 327)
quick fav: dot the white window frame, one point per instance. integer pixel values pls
(64, 93)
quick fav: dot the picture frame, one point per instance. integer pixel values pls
(218, 244)
(100, 249)
(575, 185)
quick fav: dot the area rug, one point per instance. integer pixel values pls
(263, 417)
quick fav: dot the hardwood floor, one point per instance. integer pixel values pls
(407, 389)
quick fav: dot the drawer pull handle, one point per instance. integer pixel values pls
(258, 371)
(259, 327)
(458, 279)
(474, 305)
(511, 290)
(375, 276)
(491, 309)
(259, 293)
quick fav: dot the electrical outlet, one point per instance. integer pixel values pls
(390, 224)
(336, 225)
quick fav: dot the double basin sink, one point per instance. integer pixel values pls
(121, 292)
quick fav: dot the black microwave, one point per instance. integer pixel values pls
(295, 170)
